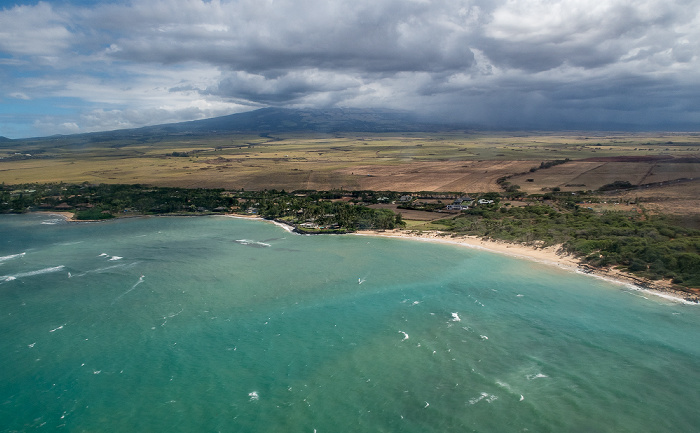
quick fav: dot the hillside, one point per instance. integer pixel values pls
(258, 122)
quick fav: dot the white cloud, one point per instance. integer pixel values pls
(33, 31)
(19, 95)
(146, 62)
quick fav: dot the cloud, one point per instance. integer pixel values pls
(19, 95)
(496, 62)
(33, 31)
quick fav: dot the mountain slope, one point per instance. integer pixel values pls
(267, 120)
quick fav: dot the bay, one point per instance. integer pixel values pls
(223, 324)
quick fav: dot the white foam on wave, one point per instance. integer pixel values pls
(56, 329)
(405, 336)
(103, 255)
(254, 396)
(455, 317)
(114, 258)
(536, 376)
(483, 337)
(31, 273)
(509, 388)
(286, 228)
(69, 243)
(11, 256)
(504, 385)
(250, 243)
(489, 398)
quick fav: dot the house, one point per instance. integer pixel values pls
(484, 201)
(406, 198)
(457, 207)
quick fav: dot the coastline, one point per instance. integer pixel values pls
(68, 216)
(551, 255)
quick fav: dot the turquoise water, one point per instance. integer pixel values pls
(222, 324)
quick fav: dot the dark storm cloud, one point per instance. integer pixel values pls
(525, 62)
(262, 36)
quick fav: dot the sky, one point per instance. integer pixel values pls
(73, 66)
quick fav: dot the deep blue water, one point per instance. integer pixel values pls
(222, 324)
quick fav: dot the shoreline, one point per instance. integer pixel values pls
(551, 255)
(68, 216)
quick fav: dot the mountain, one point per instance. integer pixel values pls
(277, 120)
(259, 122)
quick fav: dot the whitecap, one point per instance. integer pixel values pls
(489, 398)
(536, 376)
(455, 317)
(483, 337)
(254, 244)
(31, 273)
(11, 256)
(114, 258)
(56, 329)
(405, 336)
(254, 396)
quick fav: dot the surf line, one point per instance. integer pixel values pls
(132, 288)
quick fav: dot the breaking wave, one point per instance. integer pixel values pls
(31, 273)
(254, 244)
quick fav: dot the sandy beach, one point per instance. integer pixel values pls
(68, 216)
(552, 255)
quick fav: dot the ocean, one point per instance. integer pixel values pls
(185, 324)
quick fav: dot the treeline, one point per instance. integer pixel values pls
(651, 246)
(90, 201)
(320, 209)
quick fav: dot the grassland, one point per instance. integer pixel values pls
(451, 161)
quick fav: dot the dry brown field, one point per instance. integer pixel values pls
(468, 162)
(591, 175)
